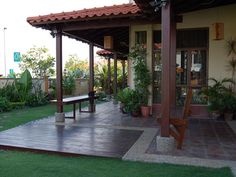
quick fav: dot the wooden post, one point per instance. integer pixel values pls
(59, 71)
(173, 63)
(91, 75)
(166, 70)
(115, 76)
(109, 75)
(123, 73)
(91, 67)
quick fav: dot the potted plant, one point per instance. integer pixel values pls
(218, 95)
(142, 77)
(129, 101)
(229, 105)
(124, 97)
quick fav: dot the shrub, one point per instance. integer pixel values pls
(36, 99)
(4, 104)
(102, 96)
(68, 83)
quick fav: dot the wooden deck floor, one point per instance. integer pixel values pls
(105, 133)
(109, 133)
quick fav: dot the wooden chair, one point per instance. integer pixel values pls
(178, 125)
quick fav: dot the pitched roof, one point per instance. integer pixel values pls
(115, 10)
(104, 52)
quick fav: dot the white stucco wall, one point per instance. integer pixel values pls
(199, 19)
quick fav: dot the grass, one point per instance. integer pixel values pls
(22, 164)
(21, 116)
(14, 164)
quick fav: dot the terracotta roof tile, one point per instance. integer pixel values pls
(114, 10)
(104, 52)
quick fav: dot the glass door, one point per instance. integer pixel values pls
(191, 71)
(156, 76)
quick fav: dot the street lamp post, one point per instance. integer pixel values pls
(4, 50)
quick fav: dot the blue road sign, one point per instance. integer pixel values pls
(16, 56)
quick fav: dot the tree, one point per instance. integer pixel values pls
(38, 61)
(101, 75)
(80, 68)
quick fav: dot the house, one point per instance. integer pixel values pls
(185, 42)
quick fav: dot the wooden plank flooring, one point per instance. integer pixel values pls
(71, 139)
(85, 136)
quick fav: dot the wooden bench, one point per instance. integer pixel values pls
(79, 99)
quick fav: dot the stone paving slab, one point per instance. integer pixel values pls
(138, 153)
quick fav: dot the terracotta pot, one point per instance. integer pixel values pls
(145, 110)
(135, 113)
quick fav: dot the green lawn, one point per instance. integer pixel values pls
(20, 164)
(21, 116)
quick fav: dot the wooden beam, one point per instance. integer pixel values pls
(98, 24)
(81, 39)
(59, 70)
(166, 68)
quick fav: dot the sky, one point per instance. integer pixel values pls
(21, 36)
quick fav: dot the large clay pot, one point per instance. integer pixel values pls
(145, 110)
(134, 113)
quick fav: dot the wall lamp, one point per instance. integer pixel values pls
(54, 32)
(158, 4)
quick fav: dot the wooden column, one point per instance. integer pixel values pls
(166, 69)
(59, 71)
(109, 75)
(115, 75)
(91, 75)
(91, 67)
(173, 63)
(123, 73)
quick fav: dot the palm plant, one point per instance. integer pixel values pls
(217, 92)
(231, 52)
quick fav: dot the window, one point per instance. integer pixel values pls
(141, 37)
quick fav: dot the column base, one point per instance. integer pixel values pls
(165, 144)
(60, 117)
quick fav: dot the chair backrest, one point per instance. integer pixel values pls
(186, 109)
